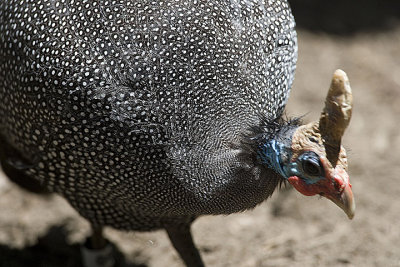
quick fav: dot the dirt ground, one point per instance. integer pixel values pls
(287, 230)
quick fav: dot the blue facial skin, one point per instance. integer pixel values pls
(271, 154)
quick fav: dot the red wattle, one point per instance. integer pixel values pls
(302, 187)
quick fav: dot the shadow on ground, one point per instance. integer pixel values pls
(52, 250)
(346, 17)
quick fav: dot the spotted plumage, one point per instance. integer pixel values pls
(134, 111)
(149, 114)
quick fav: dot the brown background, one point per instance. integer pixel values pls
(289, 229)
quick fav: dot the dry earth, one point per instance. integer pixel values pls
(287, 230)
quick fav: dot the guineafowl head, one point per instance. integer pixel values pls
(310, 157)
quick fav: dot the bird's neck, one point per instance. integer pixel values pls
(275, 150)
(274, 154)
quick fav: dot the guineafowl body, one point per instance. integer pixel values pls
(134, 111)
(149, 114)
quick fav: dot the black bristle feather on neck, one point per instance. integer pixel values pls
(280, 128)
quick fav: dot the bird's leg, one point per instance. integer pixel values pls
(97, 240)
(182, 240)
(97, 251)
(14, 165)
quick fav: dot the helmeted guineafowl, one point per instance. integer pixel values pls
(149, 114)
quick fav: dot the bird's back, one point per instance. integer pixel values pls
(134, 110)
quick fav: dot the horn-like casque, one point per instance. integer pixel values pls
(336, 114)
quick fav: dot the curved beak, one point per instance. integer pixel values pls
(345, 201)
(338, 189)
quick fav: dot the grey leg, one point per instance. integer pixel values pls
(97, 240)
(181, 239)
(97, 252)
(14, 165)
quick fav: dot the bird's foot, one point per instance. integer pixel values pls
(97, 257)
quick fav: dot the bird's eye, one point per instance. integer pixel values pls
(311, 166)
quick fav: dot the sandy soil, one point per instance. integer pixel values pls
(287, 230)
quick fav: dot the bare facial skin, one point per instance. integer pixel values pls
(323, 139)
